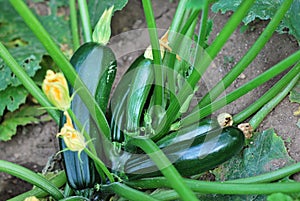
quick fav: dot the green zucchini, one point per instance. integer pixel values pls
(194, 150)
(96, 66)
(128, 101)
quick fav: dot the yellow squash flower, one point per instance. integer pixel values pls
(56, 89)
(31, 198)
(74, 140)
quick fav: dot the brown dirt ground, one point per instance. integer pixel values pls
(34, 144)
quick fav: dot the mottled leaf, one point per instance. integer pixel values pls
(25, 115)
(265, 10)
(11, 98)
(295, 93)
(97, 7)
(266, 152)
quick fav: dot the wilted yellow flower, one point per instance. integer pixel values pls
(56, 89)
(31, 198)
(74, 140)
(163, 45)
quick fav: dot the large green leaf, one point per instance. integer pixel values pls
(264, 10)
(96, 8)
(23, 116)
(265, 153)
(26, 48)
(295, 93)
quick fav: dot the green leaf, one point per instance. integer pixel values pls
(264, 10)
(279, 197)
(12, 98)
(96, 8)
(264, 153)
(25, 115)
(295, 93)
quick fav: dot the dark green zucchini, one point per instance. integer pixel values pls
(96, 66)
(194, 150)
(129, 98)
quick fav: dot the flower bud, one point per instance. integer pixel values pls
(56, 89)
(102, 30)
(74, 140)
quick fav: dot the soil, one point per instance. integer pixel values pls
(35, 144)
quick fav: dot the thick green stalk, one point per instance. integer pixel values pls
(202, 65)
(220, 187)
(85, 20)
(60, 59)
(100, 164)
(75, 198)
(241, 116)
(30, 177)
(166, 167)
(128, 192)
(266, 109)
(270, 176)
(27, 82)
(74, 24)
(204, 17)
(177, 20)
(58, 180)
(259, 80)
(159, 83)
(248, 57)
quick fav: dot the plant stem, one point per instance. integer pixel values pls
(28, 82)
(248, 57)
(58, 180)
(60, 59)
(30, 177)
(128, 192)
(159, 83)
(220, 187)
(202, 65)
(259, 80)
(85, 20)
(74, 24)
(165, 166)
(241, 116)
(204, 17)
(100, 164)
(177, 20)
(264, 111)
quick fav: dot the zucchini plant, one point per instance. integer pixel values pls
(146, 135)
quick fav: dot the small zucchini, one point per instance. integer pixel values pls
(193, 150)
(96, 66)
(130, 96)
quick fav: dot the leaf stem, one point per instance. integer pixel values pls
(271, 93)
(28, 82)
(100, 164)
(60, 59)
(266, 109)
(30, 177)
(220, 187)
(58, 180)
(257, 81)
(128, 192)
(85, 20)
(159, 83)
(248, 57)
(74, 24)
(165, 166)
